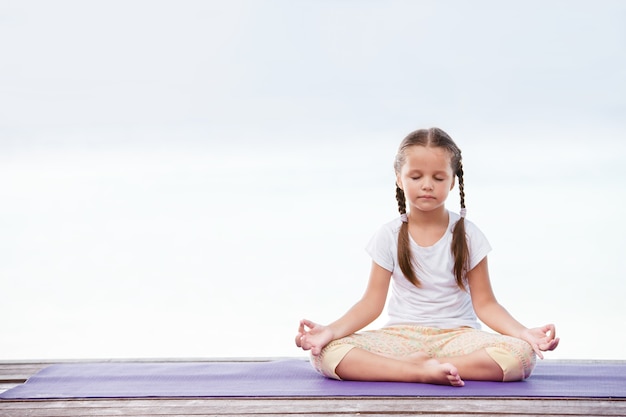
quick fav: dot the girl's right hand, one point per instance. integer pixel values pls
(312, 336)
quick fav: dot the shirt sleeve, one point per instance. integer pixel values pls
(382, 247)
(478, 244)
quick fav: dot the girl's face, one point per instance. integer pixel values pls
(426, 177)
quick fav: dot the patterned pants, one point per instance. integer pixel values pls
(515, 356)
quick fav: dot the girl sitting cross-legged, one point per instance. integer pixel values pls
(436, 263)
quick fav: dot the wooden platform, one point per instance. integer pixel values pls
(13, 373)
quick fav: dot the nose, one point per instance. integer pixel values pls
(427, 185)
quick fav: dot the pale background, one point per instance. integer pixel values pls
(190, 178)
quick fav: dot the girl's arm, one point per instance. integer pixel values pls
(314, 336)
(494, 315)
(368, 308)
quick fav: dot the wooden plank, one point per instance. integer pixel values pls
(19, 371)
(317, 406)
(6, 386)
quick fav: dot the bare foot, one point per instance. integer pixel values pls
(435, 371)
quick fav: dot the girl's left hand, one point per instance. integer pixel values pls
(541, 338)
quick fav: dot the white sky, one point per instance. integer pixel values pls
(323, 65)
(135, 136)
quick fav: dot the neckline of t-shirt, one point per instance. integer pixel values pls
(438, 242)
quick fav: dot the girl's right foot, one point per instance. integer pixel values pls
(436, 372)
(441, 373)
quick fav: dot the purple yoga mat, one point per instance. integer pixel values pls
(296, 378)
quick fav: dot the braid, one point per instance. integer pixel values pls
(404, 243)
(401, 200)
(459, 174)
(460, 250)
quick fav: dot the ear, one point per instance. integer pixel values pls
(399, 182)
(453, 183)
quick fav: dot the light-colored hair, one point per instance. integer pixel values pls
(434, 138)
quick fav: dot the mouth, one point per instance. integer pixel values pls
(427, 197)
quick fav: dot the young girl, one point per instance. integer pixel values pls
(436, 262)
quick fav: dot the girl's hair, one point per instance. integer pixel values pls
(435, 138)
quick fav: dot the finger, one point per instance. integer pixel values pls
(299, 340)
(537, 351)
(307, 323)
(549, 345)
(304, 343)
(301, 329)
(554, 344)
(549, 329)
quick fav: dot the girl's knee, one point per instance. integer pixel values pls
(327, 361)
(517, 362)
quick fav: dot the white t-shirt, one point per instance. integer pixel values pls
(439, 302)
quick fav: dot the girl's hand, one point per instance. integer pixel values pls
(312, 336)
(541, 338)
